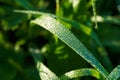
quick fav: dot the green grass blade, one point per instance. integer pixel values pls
(94, 12)
(67, 37)
(89, 32)
(44, 72)
(115, 74)
(29, 12)
(80, 73)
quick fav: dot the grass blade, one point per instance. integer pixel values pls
(89, 32)
(80, 73)
(94, 12)
(115, 74)
(29, 12)
(55, 27)
(44, 72)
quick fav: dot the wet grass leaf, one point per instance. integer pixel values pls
(55, 27)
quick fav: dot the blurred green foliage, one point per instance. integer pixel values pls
(18, 36)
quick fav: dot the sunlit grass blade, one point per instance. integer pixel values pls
(56, 28)
(89, 32)
(115, 74)
(80, 73)
(44, 72)
(29, 12)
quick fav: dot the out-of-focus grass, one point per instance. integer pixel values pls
(17, 36)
